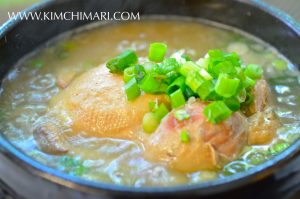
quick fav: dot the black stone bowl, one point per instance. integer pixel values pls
(23, 177)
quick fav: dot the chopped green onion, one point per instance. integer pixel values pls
(280, 64)
(167, 70)
(253, 71)
(213, 96)
(188, 92)
(217, 111)
(68, 45)
(184, 136)
(179, 83)
(68, 161)
(153, 106)
(177, 99)
(225, 67)
(205, 89)
(149, 66)
(161, 111)
(186, 57)
(162, 88)
(205, 74)
(218, 77)
(233, 58)
(256, 157)
(62, 51)
(234, 168)
(150, 122)
(80, 170)
(37, 63)
(139, 72)
(178, 56)
(149, 84)
(194, 81)
(242, 95)
(157, 52)
(181, 115)
(232, 103)
(248, 82)
(170, 77)
(203, 63)
(278, 147)
(188, 67)
(132, 89)
(226, 86)
(122, 61)
(168, 65)
(249, 99)
(128, 74)
(215, 54)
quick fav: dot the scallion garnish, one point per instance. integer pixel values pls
(184, 136)
(219, 78)
(248, 82)
(177, 99)
(152, 119)
(194, 81)
(232, 103)
(280, 64)
(37, 63)
(132, 89)
(153, 106)
(188, 67)
(150, 122)
(122, 61)
(179, 83)
(161, 111)
(128, 74)
(149, 84)
(205, 89)
(157, 52)
(253, 71)
(186, 57)
(205, 74)
(181, 115)
(226, 86)
(217, 111)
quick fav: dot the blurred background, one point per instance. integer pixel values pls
(292, 7)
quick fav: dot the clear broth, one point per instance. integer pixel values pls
(30, 85)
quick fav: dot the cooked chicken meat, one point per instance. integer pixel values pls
(209, 144)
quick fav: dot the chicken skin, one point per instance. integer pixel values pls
(209, 143)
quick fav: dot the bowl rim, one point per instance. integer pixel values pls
(205, 188)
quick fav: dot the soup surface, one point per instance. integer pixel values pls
(31, 86)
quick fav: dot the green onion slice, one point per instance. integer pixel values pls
(150, 122)
(226, 86)
(161, 111)
(157, 52)
(122, 61)
(177, 99)
(132, 89)
(149, 84)
(188, 67)
(181, 115)
(184, 136)
(217, 112)
(253, 71)
(128, 74)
